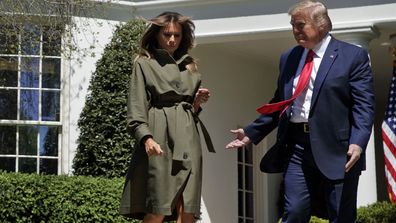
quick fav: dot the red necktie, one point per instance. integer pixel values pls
(301, 85)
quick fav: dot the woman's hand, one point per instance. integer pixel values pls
(202, 96)
(152, 147)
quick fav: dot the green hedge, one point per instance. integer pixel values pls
(41, 198)
(37, 198)
(104, 145)
(380, 212)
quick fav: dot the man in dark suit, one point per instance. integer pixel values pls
(324, 131)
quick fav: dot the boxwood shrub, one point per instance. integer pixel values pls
(380, 212)
(52, 199)
(104, 145)
(38, 198)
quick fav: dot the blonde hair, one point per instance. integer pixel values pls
(317, 12)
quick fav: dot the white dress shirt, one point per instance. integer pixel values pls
(301, 106)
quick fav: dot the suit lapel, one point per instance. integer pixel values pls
(327, 61)
(290, 70)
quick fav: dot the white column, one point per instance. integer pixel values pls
(367, 190)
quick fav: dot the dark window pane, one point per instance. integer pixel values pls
(48, 141)
(240, 154)
(7, 140)
(248, 154)
(240, 176)
(28, 140)
(249, 178)
(49, 166)
(249, 205)
(30, 72)
(249, 221)
(27, 165)
(240, 203)
(51, 73)
(52, 41)
(8, 71)
(29, 104)
(8, 104)
(8, 40)
(7, 164)
(30, 40)
(240, 220)
(50, 106)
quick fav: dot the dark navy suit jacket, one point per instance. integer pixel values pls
(342, 106)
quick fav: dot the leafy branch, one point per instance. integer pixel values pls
(21, 20)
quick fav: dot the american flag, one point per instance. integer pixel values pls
(389, 138)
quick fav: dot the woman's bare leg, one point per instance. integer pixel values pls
(188, 218)
(153, 218)
(180, 210)
(181, 216)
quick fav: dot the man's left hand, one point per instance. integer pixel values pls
(354, 152)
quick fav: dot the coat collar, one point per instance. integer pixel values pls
(163, 57)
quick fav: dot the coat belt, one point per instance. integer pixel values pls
(176, 133)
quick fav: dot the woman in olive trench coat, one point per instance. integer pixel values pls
(164, 178)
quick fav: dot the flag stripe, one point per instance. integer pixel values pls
(389, 138)
(391, 185)
(386, 132)
(391, 173)
(389, 157)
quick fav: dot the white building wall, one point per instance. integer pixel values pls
(238, 85)
(80, 72)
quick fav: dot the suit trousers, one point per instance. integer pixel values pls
(303, 180)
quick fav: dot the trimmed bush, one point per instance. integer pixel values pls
(37, 198)
(380, 212)
(318, 220)
(104, 146)
(53, 199)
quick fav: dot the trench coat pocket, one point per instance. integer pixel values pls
(275, 159)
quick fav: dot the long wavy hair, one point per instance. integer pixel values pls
(149, 40)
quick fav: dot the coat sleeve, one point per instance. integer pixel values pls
(138, 104)
(361, 82)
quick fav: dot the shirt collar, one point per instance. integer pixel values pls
(321, 47)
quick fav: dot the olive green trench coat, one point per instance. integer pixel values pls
(161, 92)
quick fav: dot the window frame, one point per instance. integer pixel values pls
(246, 184)
(62, 154)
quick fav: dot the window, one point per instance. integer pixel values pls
(245, 185)
(30, 99)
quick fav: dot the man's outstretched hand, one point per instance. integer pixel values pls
(240, 141)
